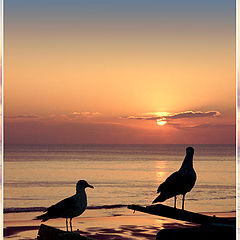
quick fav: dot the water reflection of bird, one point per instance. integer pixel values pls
(69, 207)
(179, 182)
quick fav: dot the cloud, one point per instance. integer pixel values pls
(23, 116)
(48, 117)
(202, 126)
(181, 115)
(84, 114)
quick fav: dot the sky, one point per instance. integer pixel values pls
(101, 71)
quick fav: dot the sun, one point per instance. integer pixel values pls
(161, 122)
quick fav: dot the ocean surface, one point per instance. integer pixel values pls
(37, 176)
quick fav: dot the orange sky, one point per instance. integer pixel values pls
(78, 79)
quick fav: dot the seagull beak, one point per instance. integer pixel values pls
(90, 186)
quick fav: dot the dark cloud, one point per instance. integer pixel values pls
(191, 114)
(181, 115)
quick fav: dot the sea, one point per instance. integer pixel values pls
(37, 176)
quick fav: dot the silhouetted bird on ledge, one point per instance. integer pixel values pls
(179, 182)
(69, 207)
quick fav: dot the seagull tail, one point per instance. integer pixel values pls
(160, 198)
(42, 217)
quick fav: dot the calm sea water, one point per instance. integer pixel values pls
(41, 175)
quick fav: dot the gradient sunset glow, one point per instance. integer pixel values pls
(119, 72)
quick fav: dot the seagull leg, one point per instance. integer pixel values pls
(175, 201)
(71, 224)
(183, 201)
(67, 224)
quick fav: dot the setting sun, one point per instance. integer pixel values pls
(161, 122)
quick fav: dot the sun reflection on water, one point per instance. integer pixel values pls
(161, 171)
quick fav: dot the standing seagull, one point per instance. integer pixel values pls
(69, 207)
(179, 182)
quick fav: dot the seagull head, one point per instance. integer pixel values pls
(190, 150)
(82, 184)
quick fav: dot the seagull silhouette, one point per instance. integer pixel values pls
(69, 207)
(179, 182)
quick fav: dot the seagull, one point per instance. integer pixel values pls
(69, 207)
(179, 182)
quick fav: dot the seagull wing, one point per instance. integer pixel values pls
(171, 182)
(179, 182)
(59, 209)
